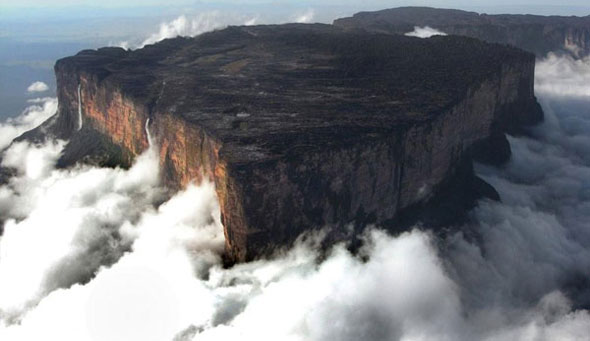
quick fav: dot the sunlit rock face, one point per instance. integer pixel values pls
(299, 126)
(534, 33)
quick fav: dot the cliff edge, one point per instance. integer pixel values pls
(300, 127)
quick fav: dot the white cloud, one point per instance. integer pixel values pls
(563, 76)
(38, 87)
(151, 292)
(30, 118)
(123, 44)
(32, 162)
(425, 32)
(305, 17)
(251, 22)
(56, 220)
(192, 26)
(550, 320)
(401, 290)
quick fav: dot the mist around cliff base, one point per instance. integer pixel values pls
(100, 254)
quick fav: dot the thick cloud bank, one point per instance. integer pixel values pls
(38, 87)
(425, 32)
(59, 224)
(99, 254)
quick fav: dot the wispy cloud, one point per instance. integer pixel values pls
(193, 25)
(425, 32)
(305, 17)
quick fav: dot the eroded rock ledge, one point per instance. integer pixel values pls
(299, 126)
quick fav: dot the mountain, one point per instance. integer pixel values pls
(300, 127)
(534, 33)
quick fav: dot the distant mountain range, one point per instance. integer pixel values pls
(537, 34)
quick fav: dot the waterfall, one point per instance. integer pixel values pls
(79, 107)
(148, 134)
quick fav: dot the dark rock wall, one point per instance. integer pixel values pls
(372, 181)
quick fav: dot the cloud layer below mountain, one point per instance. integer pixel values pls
(103, 254)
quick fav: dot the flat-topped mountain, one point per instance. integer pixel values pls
(267, 92)
(534, 33)
(300, 127)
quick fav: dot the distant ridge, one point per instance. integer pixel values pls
(535, 33)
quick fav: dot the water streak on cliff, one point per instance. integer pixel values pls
(79, 106)
(148, 134)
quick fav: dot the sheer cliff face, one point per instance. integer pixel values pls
(104, 108)
(301, 127)
(537, 34)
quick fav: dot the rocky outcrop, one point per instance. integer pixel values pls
(534, 33)
(300, 127)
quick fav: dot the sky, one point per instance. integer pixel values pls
(507, 4)
(131, 3)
